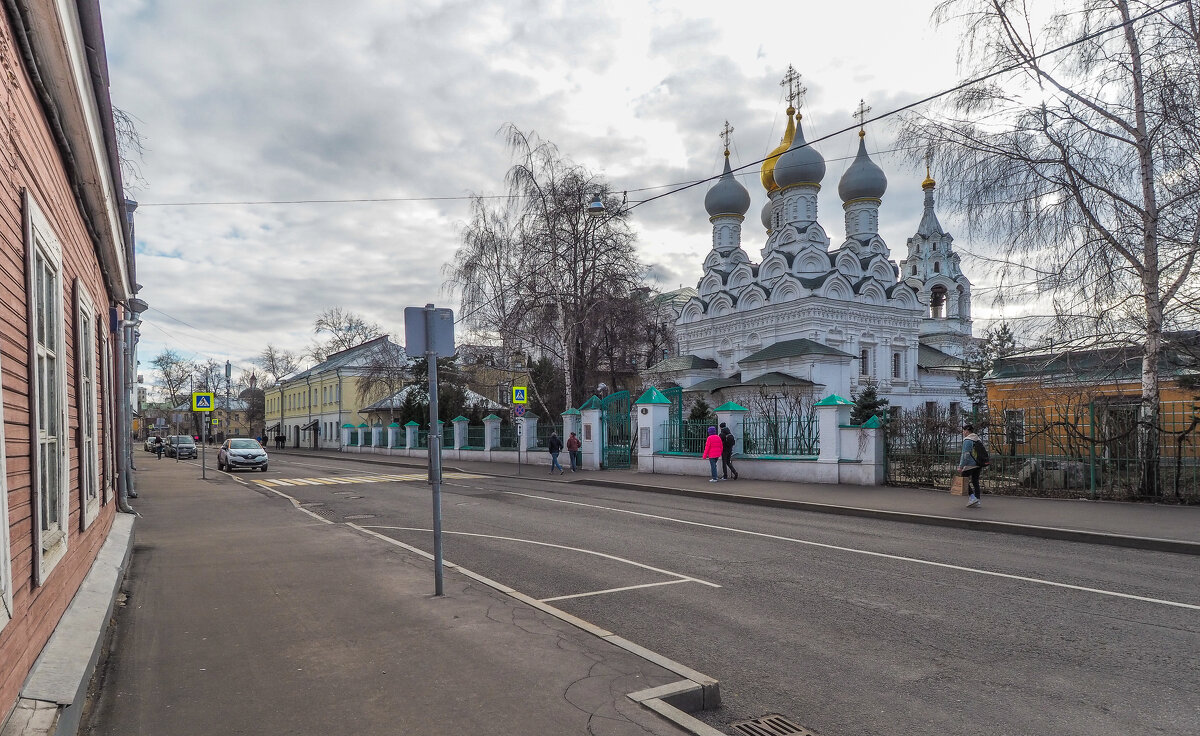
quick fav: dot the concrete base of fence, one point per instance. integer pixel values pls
(536, 457)
(756, 468)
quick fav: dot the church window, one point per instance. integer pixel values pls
(937, 267)
(937, 302)
(914, 273)
(864, 364)
(931, 409)
(895, 365)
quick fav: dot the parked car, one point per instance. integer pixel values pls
(241, 452)
(149, 446)
(181, 446)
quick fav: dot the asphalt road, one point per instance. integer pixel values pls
(840, 624)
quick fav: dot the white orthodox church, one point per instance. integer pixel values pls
(817, 318)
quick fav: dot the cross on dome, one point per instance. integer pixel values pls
(861, 114)
(725, 133)
(796, 90)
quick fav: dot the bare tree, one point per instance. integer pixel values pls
(1084, 164)
(538, 270)
(339, 329)
(174, 376)
(385, 370)
(277, 364)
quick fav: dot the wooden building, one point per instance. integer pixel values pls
(66, 276)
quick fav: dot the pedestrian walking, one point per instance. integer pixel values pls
(158, 447)
(573, 447)
(555, 446)
(727, 443)
(713, 447)
(974, 459)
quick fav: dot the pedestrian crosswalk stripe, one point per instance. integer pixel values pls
(391, 478)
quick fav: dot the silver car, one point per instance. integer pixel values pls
(241, 452)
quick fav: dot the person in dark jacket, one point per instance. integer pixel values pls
(727, 443)
(555, 446)
(573, 446)
(968, 464)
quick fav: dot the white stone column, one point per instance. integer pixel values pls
(491, 432)
(832, 412)
(393, 435)
(653, 411)
(410, 435)
(570, 421)
(529, 439)
(593, 443)
(346, 430)
(460, 431)
(732, 415)
(377, 436)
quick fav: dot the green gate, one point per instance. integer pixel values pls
(675, 395)
(616, 432)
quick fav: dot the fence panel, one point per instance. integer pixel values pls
(686, 436)
(508, 436)
(475, 438)
(1066, 450)
(780, 436)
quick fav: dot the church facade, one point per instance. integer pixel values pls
(808, 318)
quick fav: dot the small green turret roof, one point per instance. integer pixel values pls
(347, 425)
(530, 415)
(571, 412)
(653, 396)
(592, 403)
(873, 423)
(393, 424)
(362, 425)
(492, 416)
(731, 406)
(834, 400)
(460, 418)
(411, 424)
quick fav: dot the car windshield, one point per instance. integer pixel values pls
(243, 445)
(184, 441)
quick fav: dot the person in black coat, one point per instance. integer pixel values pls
(555, 446)
(727, 443)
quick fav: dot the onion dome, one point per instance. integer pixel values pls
(727, 196)
(929, 183)
(766, 215)
(768, 167)
(863, 179)
(801, 164)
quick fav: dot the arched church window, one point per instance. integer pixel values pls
(914, 270)
(937, 268)
(937, 302)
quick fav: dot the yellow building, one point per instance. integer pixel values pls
(309, 408)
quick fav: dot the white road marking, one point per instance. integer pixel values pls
(612, 590)
(901, 558)
(682, 578)
(295, 503)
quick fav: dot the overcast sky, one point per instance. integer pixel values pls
(253, 100)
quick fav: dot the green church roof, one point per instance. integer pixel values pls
(653, 396)
(731, 406)
(834, 400)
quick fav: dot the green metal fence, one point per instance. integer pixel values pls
(423, 438)
(475, 438)
(545, 430)
(508, 436)
(1086, 449)
(685, 437)
(780, 436)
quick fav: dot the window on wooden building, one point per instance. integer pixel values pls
(48, 391)
(85, 403)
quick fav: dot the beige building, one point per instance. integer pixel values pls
(309, 408)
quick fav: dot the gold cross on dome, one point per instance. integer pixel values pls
(928, 161)
(861, 113)
(796, 91)
(725, 133)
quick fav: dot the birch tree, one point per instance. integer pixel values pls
(1082, 164)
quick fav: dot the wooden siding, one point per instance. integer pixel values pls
(30, 161)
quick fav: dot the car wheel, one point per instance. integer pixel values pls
(264, 468)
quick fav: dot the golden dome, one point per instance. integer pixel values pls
(768, 167)
(929, 183)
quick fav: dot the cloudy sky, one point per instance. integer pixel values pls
(267, 100)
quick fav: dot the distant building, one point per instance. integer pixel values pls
(815, 319)
(67, 269)
(310, 407)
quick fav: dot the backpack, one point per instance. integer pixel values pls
(979, 451)
(728, 441)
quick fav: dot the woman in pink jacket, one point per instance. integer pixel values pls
(712, 450)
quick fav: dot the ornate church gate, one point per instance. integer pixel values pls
(616, 433)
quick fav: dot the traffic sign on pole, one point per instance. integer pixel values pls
(520, 395)
(202, 401)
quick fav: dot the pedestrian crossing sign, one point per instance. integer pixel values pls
(519, 395)
(202, 401)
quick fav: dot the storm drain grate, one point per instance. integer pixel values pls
(359, 516)
(320, 509)
(771, 724)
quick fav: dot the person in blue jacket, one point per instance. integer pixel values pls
(970, 465)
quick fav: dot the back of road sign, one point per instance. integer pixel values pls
(417, 342)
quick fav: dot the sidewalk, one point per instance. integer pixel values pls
(245, 616)
(1161, 527)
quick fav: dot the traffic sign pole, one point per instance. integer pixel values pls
(203, 454)
(435, 451)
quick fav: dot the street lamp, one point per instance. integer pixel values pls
(596, 207)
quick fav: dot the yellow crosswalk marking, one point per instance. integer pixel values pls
(336, 480)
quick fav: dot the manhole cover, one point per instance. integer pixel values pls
(771, 724)
(319, 509)
(359, 516)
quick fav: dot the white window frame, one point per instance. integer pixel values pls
(6, 591)
(897, 364)
(49, 545)
(86, 327)
(864, 368)
(107, 431)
